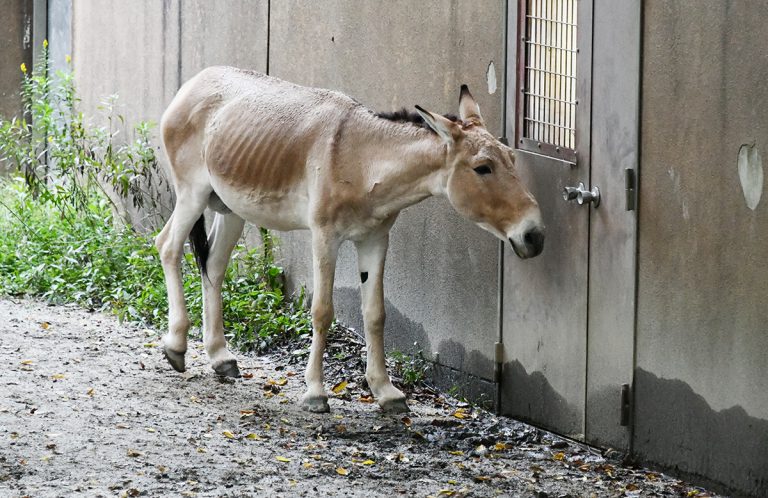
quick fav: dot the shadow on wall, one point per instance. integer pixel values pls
(676, 428)
(403, 334)
(531, 398)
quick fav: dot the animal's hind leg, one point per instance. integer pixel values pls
(170, 245)
(225, 232)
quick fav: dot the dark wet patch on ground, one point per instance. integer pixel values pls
(89, 407)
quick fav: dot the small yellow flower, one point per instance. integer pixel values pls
(68, 58)
(23, 68)
(45, 43)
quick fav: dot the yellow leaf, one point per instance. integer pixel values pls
(342, 471)
(281, 382)
(308, 465)
(27, 362)
(500, 446)
(282, 459)
(23, 68)
(285, 421)
(45, 325)
(150, 429)
(340, 386)
(228, 434)
(201, 450)
(457, 452)
(150, 344)
(693, 492)
(446, 492)
(90, 391)
(57, 376)
(451, 481)
(460, 413)
(558, 456)
(368, 462)
(254, 436)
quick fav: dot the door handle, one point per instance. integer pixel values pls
(581, 195)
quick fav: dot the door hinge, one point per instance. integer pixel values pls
(630, 186)
(498, 360)
(626, 401)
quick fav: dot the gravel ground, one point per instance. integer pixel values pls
(89, 407)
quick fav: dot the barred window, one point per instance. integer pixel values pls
(547, 77)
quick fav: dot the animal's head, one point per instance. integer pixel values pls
(482, 181)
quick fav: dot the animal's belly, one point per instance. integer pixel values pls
(278, 211)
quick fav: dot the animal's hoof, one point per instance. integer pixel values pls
(175, 359)
(227, 369)
(315, 404)
(394, 405)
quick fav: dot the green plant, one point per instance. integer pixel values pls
(412, 369)
(60, 239)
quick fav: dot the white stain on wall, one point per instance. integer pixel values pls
(490, 76)
(751, 174)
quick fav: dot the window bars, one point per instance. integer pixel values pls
(547, 77)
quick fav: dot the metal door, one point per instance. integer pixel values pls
(568, 315)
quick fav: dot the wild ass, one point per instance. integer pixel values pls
(286, 157)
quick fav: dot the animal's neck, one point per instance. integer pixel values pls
(410, 170)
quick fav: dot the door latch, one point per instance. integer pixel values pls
(581, 195)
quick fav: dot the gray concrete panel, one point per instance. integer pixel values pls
(701, 400)
(59, 33)
(441, 281)
(223, 32)
(129, 49)
(16, 40)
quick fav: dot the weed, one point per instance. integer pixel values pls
(411, 369)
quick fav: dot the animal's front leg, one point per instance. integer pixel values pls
(324, 250)
(370, 260)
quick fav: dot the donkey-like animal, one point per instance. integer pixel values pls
(282, 156)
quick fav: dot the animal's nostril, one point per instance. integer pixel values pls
(534, 239)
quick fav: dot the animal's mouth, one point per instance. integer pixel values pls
(532, 244)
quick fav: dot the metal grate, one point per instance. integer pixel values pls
(548, 75)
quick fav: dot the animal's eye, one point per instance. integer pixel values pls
(483, 170)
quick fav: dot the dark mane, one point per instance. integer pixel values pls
(405, 116)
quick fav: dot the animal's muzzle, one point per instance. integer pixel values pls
(532, 244)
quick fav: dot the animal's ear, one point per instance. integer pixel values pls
(468, 108)
(447, 129)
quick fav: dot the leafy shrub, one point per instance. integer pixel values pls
(60, 239)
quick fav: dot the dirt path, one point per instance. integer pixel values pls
(88, 407)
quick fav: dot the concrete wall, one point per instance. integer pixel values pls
(16, 40)
(702, 339)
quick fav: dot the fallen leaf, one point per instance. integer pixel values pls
(57, 376)
(500, 446)
(481, 478)
(194, 399)
(342, 471)
(151, 429)
(366, 399)
(90, 391)
(457, 452)
(308, 465)
(201, 450)
(461, 413)
(407, 421)
(282, 381)
(282, 459)
(133, 453)
(27, 362)
(150, 344)
(341, 428)
(122, 426)
(368, 462)
(340, 386)
(559, 456)
(45, 325)
(253, 436)
(228, 434)
(632, 487)
(446, 492)
(247, 375)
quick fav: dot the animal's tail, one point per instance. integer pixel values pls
(198, 239)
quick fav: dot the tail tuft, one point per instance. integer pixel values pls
(199, 241)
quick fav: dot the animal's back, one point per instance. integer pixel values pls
(253, 131)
